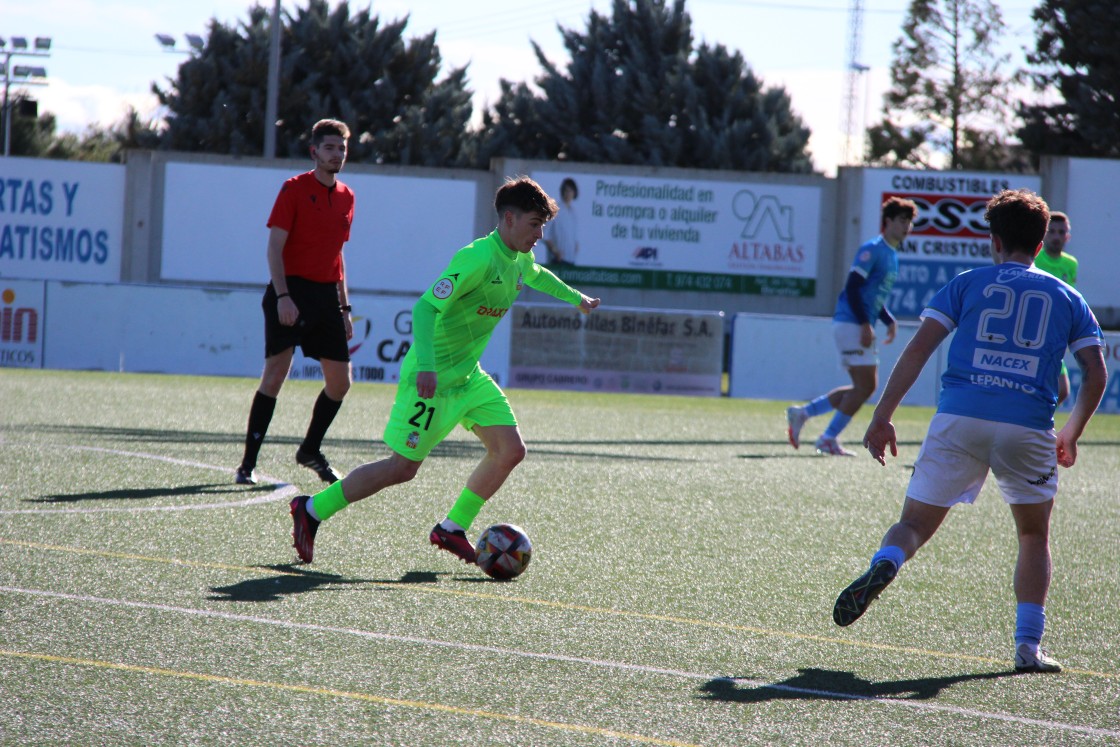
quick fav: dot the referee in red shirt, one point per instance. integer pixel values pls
(306, 301)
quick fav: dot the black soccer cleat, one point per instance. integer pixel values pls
(245, 476)
(855, 599)
(316, 462)
(303, 528)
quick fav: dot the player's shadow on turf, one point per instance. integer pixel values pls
(825, 684)
(145, 493)
(288, 580)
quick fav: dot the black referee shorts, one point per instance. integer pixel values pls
(320, 330)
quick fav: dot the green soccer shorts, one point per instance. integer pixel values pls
(416, 425)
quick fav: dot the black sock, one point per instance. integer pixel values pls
(321, 418)
(260, 415)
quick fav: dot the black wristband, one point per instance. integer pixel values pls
(282, 295)
(347, 308)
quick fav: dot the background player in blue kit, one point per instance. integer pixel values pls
(863, 300)
(1013, 324)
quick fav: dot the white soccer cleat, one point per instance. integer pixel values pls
(1028, 660)
(796, 417)
(831, 447)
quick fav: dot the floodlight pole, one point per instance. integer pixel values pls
(41, 49)
(271, 113)
(7, 113)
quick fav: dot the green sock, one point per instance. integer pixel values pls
(329, 502)
(466, 508)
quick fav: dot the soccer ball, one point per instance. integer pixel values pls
(504, 551)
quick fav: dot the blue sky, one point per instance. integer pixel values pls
(105, 57)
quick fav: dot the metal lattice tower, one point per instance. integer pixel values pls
(855, 70)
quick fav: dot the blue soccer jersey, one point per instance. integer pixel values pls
(1013, 324)
(877, 262)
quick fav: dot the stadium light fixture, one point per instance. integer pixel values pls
(24, 74)
(27, 71)
(194, 41)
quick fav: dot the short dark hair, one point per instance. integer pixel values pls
(569, 182)
(1019, 217)
(524, 195)
(1058, 215)
(324, 127)
(893, 207)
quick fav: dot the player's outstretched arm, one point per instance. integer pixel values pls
(1094, 378)
(880, 433)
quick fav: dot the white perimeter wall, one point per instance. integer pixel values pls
(157, 329)
(160, 329)
(795, 359)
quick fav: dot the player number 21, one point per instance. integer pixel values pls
(422, 410)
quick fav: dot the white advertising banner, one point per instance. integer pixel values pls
(22, 315)
(950, 234)
(616, 350)
(61, 220)
(689, 235)
(405, 228)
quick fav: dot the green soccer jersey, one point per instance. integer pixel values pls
(1064, 267)
(471, 296)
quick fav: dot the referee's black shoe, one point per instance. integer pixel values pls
(316, 462)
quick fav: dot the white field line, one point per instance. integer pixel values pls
(283, 489)
(599, 663)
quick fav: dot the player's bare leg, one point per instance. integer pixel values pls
(309, 511)
(504, 451)
(1032, 582)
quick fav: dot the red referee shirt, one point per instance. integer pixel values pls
(317, 220)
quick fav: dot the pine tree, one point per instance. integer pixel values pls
(949, 100)
(333, 64)
(635, 91)
(1075, 55)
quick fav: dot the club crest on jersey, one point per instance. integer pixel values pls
(443, 288)
(520, 282)
(413, 440)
